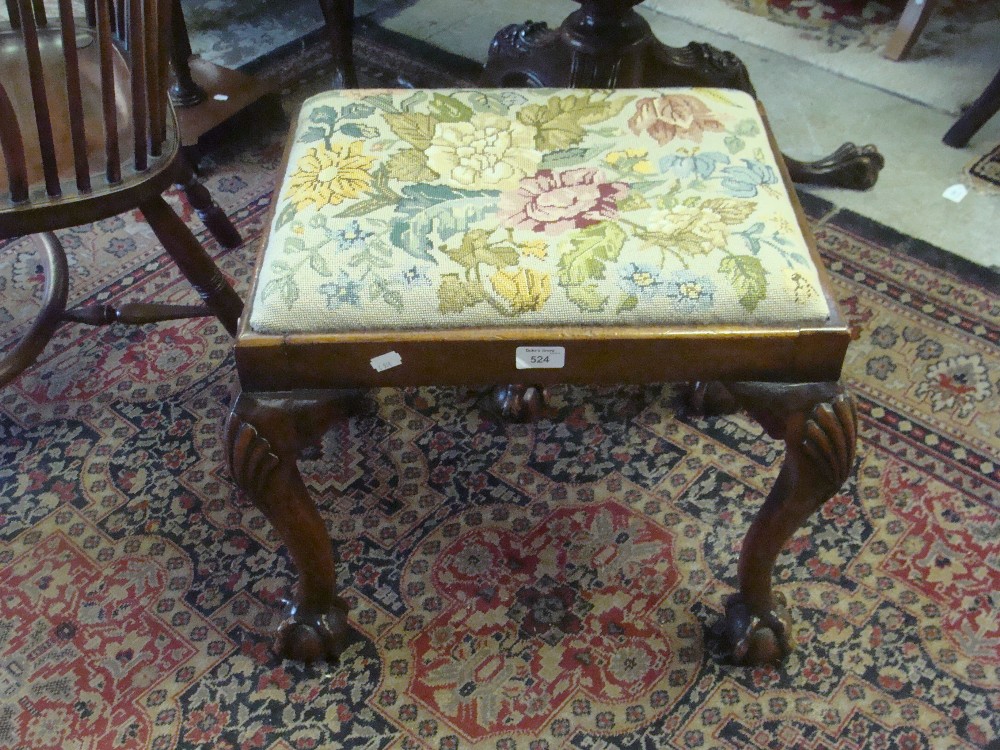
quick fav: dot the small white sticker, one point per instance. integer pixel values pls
(540, 357)
(386, 361)
(956, 192)
(221, 97)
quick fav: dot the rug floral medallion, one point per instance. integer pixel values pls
(551, 585)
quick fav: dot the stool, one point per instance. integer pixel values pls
(540, 236)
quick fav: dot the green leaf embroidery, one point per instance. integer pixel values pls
(313, 134)
(569, 157)
(286, 215)
(735, 144)
(558, 123)
(449, 109)
(454, 294)
(318, 264)
(326, 115)
(590, 248)
(730, 210)
(410, 103)
(416, 128)
(476, 249)
(747, 128)
(427, 209)
(410, 165)
(628, 303)
(633, 202)
(748, 277)
(284, 286)
(499, 103)
(358, 111)
(587, 297)
(354, 130)
(382, 196)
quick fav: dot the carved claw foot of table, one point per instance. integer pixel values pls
(607, 44)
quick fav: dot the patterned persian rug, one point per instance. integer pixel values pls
(985, 171)
(953, 60)
(137, 592)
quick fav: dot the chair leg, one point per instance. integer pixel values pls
(55, 271)
(213, 217)
(263, 440)
(597, 46)
(339, 17)
(911, 24)
(818, 422)
(985, 107)
(194, 262)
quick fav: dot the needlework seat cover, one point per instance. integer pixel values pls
(440, 209)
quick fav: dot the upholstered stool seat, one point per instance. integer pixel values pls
(468, 209)
(538, 236)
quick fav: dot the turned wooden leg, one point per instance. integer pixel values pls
(213, 217)
(818, 423)
(194, 262)
(985, 107)
(609, 45)
(184, 92)
(915, 17)
(264, 436)
(339, 17)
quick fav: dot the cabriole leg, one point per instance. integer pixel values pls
(264, 436)
(818, 422)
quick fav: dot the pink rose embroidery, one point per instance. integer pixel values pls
(553, 202)
(673, 116)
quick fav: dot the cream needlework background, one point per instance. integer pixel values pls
(536, 207)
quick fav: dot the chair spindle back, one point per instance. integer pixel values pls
(130, 35)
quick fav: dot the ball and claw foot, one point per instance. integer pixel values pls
(519, 403)
(754, 641)
(850, 167)
(312, 638)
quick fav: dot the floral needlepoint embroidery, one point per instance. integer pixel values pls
(527, 290)
(328, 176)
(557, 202)
(690, 290)
(487, 151)
(456, 208)
(643, 280)
(352, 237)
(674, 116)
(341, 292)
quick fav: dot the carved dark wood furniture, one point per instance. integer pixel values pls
(207, 95)
(551, 236)
(86, 133)
(977, 115)
(607, 44)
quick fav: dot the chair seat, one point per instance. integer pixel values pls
(534, 208)
(45, 212)
(14, 69)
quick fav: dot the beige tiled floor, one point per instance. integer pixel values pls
(812, 111)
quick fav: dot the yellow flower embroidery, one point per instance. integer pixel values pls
(329, 176)
(527, 290)
(534, 249)
(634, 159)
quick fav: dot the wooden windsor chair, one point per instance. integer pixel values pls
(87, 132)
